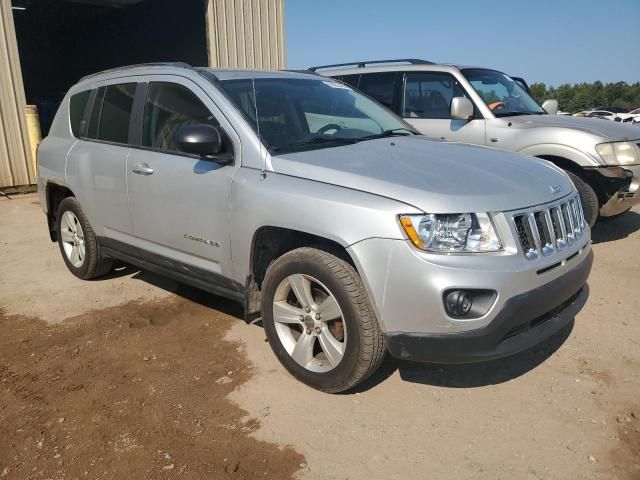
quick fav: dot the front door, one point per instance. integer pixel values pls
(427, 106)
(180, 203)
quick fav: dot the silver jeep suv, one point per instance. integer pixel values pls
(326, 215)
(486, 107)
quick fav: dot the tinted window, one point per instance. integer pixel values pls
(169, 107)
(77, 106)
(111, 113)
(381, 86)
(94, 118)
(306, 113)
(428, 95)
(352, 80)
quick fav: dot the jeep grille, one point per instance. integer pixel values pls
(543, 231)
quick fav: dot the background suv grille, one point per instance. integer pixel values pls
(543, 231)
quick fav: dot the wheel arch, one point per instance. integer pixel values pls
(54, 194)
(271, 242)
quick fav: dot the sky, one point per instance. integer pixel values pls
(555, 42)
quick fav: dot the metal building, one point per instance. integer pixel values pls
(45, 46)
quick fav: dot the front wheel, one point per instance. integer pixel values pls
(588, 197)
(319, 321)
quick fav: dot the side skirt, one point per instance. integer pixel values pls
(179, 271)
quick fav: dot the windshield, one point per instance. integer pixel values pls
(501, 93)
(298, 114)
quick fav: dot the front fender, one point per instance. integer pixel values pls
(339, 214)
(579, 157)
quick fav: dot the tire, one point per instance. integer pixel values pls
(332, 281)
(588, 197)
(89, 262)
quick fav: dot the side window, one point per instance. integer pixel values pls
(429, 95)
(352, 80)
(111, 113)
(94, 117)
(381, 86)
(169, 107)
(77, 107)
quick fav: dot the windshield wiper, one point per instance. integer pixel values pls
(516, 114)
(317, 141)
(393, 132)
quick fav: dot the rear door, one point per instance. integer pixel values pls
(427, 106)
(96, 164)
(179, 202)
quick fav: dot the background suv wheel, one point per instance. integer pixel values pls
(588, 197)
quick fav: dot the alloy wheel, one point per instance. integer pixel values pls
(72, 238)
(309, 323)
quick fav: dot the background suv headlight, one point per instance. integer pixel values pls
(618, 153)
(450, 233)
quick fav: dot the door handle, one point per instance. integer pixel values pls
(142, 169)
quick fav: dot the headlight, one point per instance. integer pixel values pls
(458, 232)
(618, 153)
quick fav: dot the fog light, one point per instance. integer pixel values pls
(468, 304)
(458, 303)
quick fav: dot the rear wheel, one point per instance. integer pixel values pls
(78, 243)
(319, 321)
(588, 197)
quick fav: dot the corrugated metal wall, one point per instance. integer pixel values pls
(16, 167)
(246, 33)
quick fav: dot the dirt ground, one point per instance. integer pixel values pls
(135, 376)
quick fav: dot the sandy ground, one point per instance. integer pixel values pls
(84, 352)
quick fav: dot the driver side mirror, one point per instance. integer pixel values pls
(550, 106)
(203, 140)
(461, 108)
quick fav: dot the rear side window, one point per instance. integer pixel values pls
(111, 113)
(77, 107)
(381, 86)
(168, 108)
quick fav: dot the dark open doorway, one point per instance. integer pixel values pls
(60, 41)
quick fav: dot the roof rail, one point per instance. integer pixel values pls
(413, 61)
(294, 70)
(150, 64)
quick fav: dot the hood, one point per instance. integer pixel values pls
(609, 130)
(436, 177)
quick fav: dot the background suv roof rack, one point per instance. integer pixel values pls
(150, 64)
(413, 61)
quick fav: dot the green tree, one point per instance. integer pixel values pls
(582, 96)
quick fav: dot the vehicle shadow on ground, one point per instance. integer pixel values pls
(616, 228)
(469, 375)
(440, 375)
(206, 299)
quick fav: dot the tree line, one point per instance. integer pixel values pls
(583, 96)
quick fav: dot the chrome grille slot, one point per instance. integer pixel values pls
(526, 237)
(568, 223)
(544, 231)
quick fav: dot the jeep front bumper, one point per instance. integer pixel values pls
(533, 298)
(523, 321)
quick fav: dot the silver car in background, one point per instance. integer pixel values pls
(486, 107)
(324, 214)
